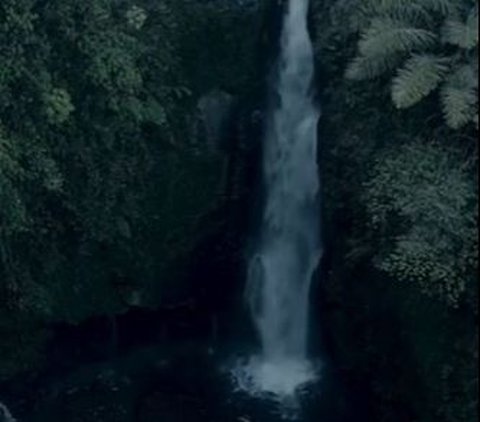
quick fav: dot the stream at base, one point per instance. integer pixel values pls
(182, 383)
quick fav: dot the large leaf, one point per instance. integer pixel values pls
(383, 44)
(387, 36)
(418, 78)
(407, 10)
(362, 67)
(444, 7)
(460, 97)
(462, 34)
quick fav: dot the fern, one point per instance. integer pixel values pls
(392, 31)
(387, 36)
(444, 7)
(462, 34)
(407, 10)
(383, 44)
(418, 78)
(459, 97)
(397, 9)
(361, 67)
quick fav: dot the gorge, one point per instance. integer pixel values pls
(238, 210)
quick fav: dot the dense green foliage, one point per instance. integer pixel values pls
(401, 198)
(106, 176)
(428, 44)
(102, 186)
(418, 186)
(427, 192)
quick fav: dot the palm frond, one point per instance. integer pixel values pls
(444, 7)
(383, 45)
(420, 75)
(361, 67)
(459, 97)
(475, 120)
(386, 36)
(462, 34)
(406, 10)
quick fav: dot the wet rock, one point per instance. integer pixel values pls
(172, 408)
(102, 402)
(214, 111)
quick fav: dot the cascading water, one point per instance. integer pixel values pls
(5, 414)
(288, 249)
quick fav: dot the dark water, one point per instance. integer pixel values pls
(162, 367)
(185, 382)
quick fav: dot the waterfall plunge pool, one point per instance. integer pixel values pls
(179, 382)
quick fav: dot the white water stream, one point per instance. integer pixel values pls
(289, 247)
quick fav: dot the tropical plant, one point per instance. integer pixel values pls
(100, 190)
(427, 45)
(421, 198)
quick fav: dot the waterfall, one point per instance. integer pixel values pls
(5, 415)
(288, 249)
